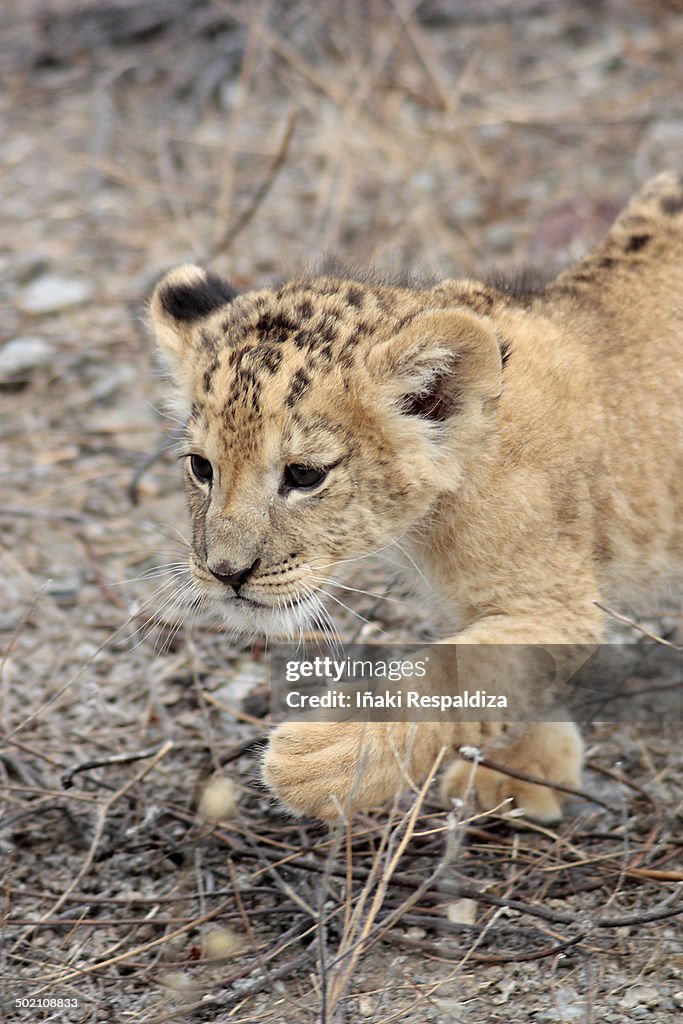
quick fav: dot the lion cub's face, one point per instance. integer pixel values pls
(323, 421)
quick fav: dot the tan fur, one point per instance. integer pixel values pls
(525, 493)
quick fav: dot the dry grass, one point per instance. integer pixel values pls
(445, 137)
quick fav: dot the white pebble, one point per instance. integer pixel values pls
(50, 293)
(20, 355)
(462, 911)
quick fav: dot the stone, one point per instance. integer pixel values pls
(462, 911)
(640, 995)
(52, 293)
(21, 355)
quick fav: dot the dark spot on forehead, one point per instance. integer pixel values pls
(246, 377)
(192, 301)
(207, 379)
(345, 358)
(363, 329)
(269, 357)
(300, 384)
(637, 242)
(355, 296)
(482, 301)
(328, 330)
(208, 342)
(319, 336)
(303, 339)
(276, 326)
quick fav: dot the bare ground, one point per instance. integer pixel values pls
(445, 137)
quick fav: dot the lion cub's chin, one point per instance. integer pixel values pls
(251, 618)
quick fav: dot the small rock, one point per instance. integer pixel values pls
(462, 911)
(366, 1006)
(451, 1009)
(10, 620)
(563, 1015)
(51, 293)
(506, 990)
(64, 592)
(20, 355)
(640, 995)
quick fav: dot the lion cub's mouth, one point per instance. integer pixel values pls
(251, 602)
(248, 602)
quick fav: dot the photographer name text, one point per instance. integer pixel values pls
(392, 699)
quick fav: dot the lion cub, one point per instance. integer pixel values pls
(525, 451)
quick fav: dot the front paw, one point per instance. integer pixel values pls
(547, 750)
(326, 769)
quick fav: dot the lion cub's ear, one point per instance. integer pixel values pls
(437, 362)
(181, 299)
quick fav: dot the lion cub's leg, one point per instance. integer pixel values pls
(326, 768)
(548, 750)
(330, 768)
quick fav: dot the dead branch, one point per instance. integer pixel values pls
(278, 162)
(515, 773)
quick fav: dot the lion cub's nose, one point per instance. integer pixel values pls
(232, 577)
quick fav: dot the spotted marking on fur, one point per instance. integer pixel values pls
(300, 384)
(302, 339)
(355, 297)
(196, 412)
(208, 341)
(637, 242)
(276, 326)
(270, 358)
(207, 379)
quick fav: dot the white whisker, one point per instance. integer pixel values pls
(351, 611)
(414, 564)
(332, 581)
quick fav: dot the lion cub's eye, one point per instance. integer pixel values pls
(202, 470)
(303, 477)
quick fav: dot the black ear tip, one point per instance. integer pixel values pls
(194, 298)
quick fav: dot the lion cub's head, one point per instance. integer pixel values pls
(324, 419)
